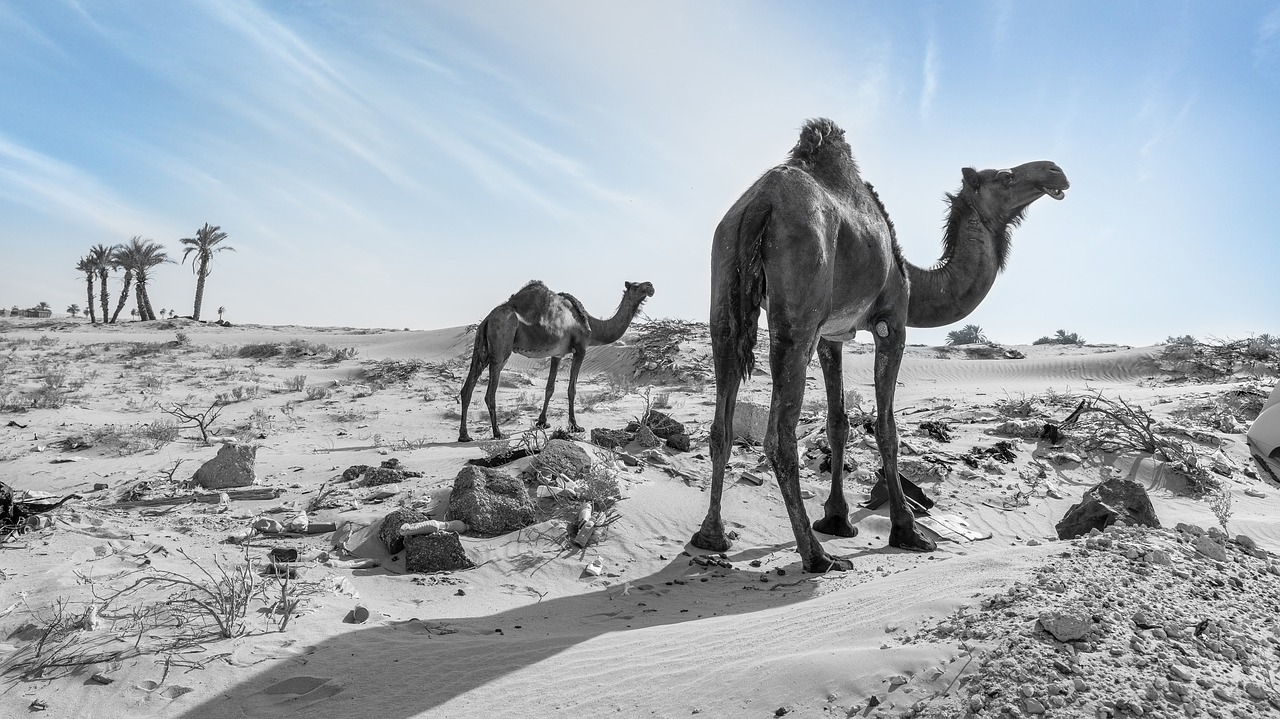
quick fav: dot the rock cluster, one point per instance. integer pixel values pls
(389, 472)
(1130, 622)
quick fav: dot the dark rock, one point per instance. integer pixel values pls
(439, 552)
(389, 532)
(560, 456)
(679, 442)
(646, 438)
(610, 438)
(1104, 504)
(375, 476)
(231, 467)
(354, 471)
(662, 424)
(490, 501)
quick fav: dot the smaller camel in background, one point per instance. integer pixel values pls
(537, 322)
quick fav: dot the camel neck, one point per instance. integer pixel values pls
(608, 331)
(952, 289)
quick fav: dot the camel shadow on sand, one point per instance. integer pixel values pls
(405, 668)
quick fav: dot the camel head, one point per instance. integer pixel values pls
(1002, 196)
(999, 199)
(638, 292)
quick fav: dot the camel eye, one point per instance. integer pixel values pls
(1005, 176)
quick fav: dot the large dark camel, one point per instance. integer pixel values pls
(811, 244)
(537, 322)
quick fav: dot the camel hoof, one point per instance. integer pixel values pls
(910, 539)
(542, 424)
(827, 563)
(576, 429)
(464, 438)
(714, 543)
(836, 525)
(499, 435)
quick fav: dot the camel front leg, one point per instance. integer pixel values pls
(789, 359)
(546, 400)
(903, 533)
(711, 535)
(835, 520)
(491, 393)
(575, 365)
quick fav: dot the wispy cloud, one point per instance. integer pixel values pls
(1267, 47)
(57, 189)
(929, 83)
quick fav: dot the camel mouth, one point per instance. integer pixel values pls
(1053, 192)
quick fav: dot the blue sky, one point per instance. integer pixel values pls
(401, 164)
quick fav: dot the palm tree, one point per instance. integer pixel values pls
(967, 335)
(86, 266)
(100, 257)
(220, 311)
(121, 259)
(73, 310)
(205, 245)
(137, 258)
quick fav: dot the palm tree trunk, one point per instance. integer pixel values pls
(204, 270)
(124, 296)
(145, 307)
(140, 297)
(88, 278)
(103, 295)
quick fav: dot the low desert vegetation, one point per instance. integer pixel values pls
(967, 335)
(1061, 338)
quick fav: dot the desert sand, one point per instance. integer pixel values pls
(662, 631)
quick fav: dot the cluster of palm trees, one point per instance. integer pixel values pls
(137, 258)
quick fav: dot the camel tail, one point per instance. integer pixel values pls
(480, 350)
(747, 288)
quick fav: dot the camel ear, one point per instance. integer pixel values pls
(971, 177)
(629, 285)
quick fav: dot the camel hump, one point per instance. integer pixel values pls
(579, 311)
(821, 140)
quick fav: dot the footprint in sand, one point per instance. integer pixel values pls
(292, 693)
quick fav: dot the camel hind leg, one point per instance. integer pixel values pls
(835, 520)
(576, 365)
(479, 358)
(711, 535)
(546, 399)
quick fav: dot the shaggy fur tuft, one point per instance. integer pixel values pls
(1001, 227)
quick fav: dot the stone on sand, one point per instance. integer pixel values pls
(560, 456)
(750, 421)
(389, 531)
(1104, 504)
(231, 467)
(491, 501)
(438, 552)
(1066, 626)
